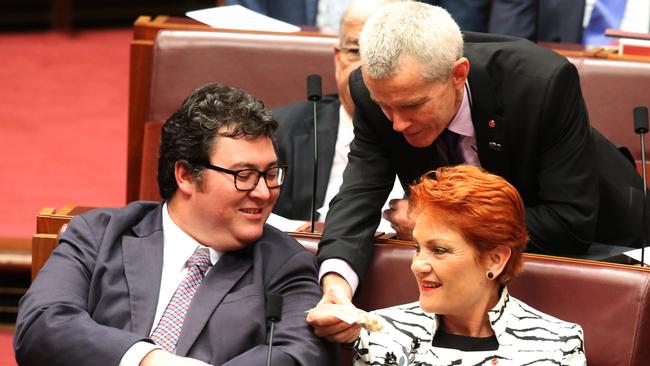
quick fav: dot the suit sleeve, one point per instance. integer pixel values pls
(355, 211)
(294, 343)
(54, 325)
(563, 220)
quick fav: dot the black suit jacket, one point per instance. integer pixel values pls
(295, 140)
(541, 142)
(97, 295)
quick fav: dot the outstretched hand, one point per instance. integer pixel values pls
(398, 217)
(336, 290)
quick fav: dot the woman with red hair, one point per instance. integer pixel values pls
(470, 233)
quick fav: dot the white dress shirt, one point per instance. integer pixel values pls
(178, 247)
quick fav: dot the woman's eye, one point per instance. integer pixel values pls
(439, 250)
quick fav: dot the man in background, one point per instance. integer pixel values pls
(334, 113)
(471, 15)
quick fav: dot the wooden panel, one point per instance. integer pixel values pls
(139, 82)
(42, 247)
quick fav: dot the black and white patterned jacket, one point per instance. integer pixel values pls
(526, 337)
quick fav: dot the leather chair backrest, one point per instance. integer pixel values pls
(610, 302)
(611, 89)
(271, 67)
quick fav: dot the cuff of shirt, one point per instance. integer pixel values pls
(136, 353)
(341, 267)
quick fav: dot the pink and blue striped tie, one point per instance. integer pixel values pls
(170, 324)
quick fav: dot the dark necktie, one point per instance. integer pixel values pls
(170, 324)
(449, 148)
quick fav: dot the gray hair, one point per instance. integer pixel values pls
(426, 32)
(361, 9)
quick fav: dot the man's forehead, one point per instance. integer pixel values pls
(383, 92)
(351, 30)
(244, 150)
(350, 40)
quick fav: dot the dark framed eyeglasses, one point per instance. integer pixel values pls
(247, 179)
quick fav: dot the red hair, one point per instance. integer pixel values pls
(483, 207)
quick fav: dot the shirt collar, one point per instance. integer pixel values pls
(498, 314)
(179, 246)
(346, 129)
(462, 122)
(497, 317)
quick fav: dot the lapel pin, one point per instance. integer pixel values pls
(494, 146)
(492, 123)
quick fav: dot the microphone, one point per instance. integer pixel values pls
(273, 314)
(641, 128)
(314, 94)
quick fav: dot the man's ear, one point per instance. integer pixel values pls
(184, 178)
(460, 71)
(497, 259)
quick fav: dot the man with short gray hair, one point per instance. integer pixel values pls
(428, 96)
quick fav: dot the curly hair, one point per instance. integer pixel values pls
(486, 210)
(189, 134)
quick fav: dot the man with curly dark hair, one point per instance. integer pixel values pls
(183, 282)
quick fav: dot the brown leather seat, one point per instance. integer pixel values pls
(271, 67)
(611, 89)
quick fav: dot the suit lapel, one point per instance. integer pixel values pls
(489, 124)
(215, 286)
(143, 255)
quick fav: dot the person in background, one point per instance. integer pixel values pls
(557, 21)
(296, 125)
(470, 233)
(426, 97)
(183, 282)
(569, 21)
(471, 15)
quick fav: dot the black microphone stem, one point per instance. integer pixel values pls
(314, 93)
(640, 115)
(313, 192)
(273, 314)
(644, 215)
(268, 354)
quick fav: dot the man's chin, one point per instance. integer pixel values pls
(418, 142)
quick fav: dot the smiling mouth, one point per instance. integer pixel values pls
(429, 284)
(252, 211)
